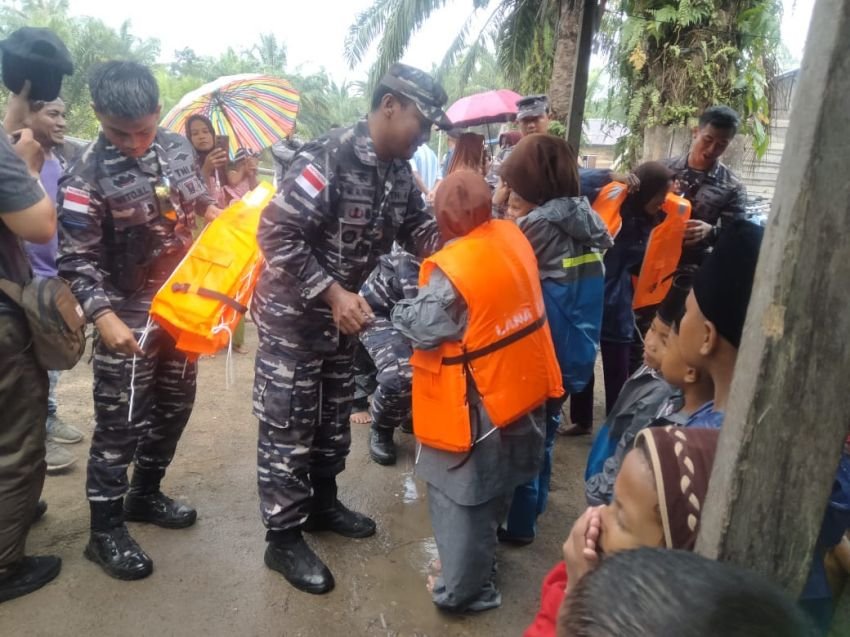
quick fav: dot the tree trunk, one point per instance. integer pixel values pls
(787, 415)
(570, 67)
(564, 62)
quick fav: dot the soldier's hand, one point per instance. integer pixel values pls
(351, 312)
(695, 231)
(116, 335)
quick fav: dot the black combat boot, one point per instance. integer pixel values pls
(111, 546)
(288, 554)
(382, 446)
(329, 514)
(146, 503)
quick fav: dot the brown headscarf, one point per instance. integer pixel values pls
(541, 167)
(681, 460)
(461, 204)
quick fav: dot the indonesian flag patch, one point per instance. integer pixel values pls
(76, 200)
(311, 181)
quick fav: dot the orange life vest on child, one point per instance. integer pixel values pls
(608, 203)
(663, 251)
(507, 347)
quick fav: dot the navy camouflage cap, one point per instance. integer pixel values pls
(422, 89)
(532, 106)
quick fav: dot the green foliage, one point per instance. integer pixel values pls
(670, 59)
(520, 32)
(483, 75)
(90, 41)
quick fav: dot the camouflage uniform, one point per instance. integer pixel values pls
(340, 209)
(124, 224)
(395, 278)
(365, 381)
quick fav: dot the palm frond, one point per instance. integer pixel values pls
(517, 33)
(461, 42)
(367, 26)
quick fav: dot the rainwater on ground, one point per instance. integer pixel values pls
(210, 579)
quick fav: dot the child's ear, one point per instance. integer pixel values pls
(710, 339)
(691, 376)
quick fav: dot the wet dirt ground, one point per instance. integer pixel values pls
(210, 579)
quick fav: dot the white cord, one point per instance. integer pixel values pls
(142, 340)
(487, 435)
(229, 374)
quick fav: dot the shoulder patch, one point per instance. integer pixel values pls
(311, 181)
(76, 200)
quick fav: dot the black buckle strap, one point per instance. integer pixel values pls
(467, 357)
(211, 294)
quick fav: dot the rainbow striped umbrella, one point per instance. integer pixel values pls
(254, 110)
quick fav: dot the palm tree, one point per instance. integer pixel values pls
(535, 41)
(270, 54)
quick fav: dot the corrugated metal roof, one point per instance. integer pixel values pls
(601, 132)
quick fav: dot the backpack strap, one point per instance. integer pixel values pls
(12, 290)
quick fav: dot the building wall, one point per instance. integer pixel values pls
(759, 175)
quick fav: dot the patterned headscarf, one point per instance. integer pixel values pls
(681, 460)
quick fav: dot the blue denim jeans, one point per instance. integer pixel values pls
(529, 499)
(52, 405)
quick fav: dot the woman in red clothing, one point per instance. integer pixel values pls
(658, 500)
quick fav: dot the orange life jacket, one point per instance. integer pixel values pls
(203, 300)
(507, 347)
(608, 203)
(663, 251)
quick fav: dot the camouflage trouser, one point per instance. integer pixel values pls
(163, 396)
(303, 404)
(391, 353)
(364, 378)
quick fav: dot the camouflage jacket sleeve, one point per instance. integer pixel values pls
(418, 233)
(296, 220)
(81, 211)
(737, 208)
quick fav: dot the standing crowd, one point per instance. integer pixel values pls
(472, 300)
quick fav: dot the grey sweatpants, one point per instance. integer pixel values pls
(466, 541)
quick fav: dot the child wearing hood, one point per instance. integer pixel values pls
(568, 239)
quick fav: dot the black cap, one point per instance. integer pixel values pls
(532, 106)
(37, 55)
(723, 284)
(420, 88)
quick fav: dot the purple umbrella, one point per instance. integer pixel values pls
(490, 107)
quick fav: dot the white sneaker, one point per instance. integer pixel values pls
(57, 457)
(65, 434)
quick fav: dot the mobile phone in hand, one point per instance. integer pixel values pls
(223, 142)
